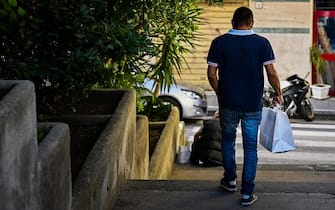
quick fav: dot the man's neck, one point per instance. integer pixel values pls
(243, 28)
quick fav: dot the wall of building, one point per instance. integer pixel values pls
(288, 26)
(286, 23)
(215, 21)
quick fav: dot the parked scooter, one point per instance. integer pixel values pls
(296, 94)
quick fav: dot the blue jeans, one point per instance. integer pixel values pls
(249, 124)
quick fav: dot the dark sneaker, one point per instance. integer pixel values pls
(247, 202)
(228, 185)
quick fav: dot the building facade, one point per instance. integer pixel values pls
(288, 24)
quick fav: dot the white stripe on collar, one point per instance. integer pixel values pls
(240, 32)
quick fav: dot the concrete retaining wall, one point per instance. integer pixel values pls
(163, 157)
(37, 177)
(141, 154)
(54, 170)
(18, 145)
(110, 162)
(31, 176)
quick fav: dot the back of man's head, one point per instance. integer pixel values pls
(243, 16)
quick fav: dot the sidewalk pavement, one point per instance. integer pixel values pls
(324, 108)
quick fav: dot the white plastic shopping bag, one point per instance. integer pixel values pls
(184, 155)
(275, 131)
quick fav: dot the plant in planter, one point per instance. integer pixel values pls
(68, 48)
(155, 108)
(173, 28)
(319, 90)
(65, 48)
(157, 112)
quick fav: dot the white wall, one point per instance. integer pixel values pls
(288, 26)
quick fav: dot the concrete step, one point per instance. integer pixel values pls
(201, 195)
(278, 187)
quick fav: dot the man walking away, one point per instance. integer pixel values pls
(239, 57)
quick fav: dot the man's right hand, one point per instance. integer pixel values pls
(278, 100)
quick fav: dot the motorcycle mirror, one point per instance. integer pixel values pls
(306, 75)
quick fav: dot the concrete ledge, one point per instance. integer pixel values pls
(18, 145)
(41, 178)
(54, 170)
(110, 162)
(141, 156)
(162, 159)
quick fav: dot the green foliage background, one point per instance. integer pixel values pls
(69, 47)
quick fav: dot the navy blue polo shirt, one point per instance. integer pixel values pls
(240, 56)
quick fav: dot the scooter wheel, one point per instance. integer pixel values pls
(306, 110)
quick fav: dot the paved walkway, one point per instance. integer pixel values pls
(325, 107)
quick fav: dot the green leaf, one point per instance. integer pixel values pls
(13, 16)
(21, 11)
(12, 3)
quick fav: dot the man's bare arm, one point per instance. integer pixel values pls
(274, 81)
(212, 78)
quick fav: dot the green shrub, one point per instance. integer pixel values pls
(69, 47)
(64, 46)
(155, 108)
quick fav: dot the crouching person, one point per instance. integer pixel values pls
(206, 148)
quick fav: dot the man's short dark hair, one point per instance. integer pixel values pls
(242, 15)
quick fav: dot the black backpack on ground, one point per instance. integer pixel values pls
(206, 151)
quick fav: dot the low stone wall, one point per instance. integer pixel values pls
(110, 162)
(18, 145)
(37, 177)
(164, 155)
(141, 154)
(32, 176)
(54, 170)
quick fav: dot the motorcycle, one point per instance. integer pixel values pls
(296, 94)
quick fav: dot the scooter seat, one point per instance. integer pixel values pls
(285, 84)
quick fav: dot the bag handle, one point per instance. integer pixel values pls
(278, 107)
